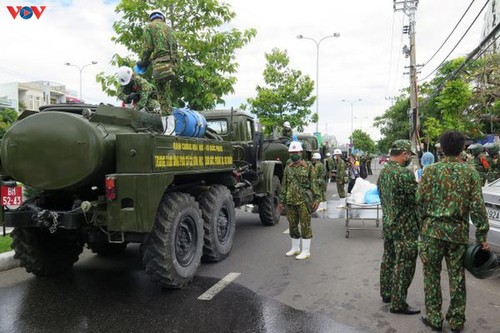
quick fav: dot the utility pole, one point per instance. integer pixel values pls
(409, 8)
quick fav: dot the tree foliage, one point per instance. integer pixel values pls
(468, 102)
(206, 52)
(7, 118)
(362, 141)
(286, 95)
(394, 123)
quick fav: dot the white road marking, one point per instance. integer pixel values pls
(217, 288)
(287, 231)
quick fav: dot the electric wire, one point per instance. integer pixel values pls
(456, 45)
(451, 33)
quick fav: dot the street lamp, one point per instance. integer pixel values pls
(336, 34)
(80, 69)
(352, 113)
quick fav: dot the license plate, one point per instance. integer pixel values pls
(11, 195)
(493, 214)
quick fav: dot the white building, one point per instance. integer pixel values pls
(491, 19)
(31, 94)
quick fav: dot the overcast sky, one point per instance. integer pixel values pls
(365, 62)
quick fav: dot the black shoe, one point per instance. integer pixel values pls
(386, 299)
(407, 311)
(426, 321)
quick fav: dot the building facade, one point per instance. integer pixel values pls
(491, 19)
(31, 95)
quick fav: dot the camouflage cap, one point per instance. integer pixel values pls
(402, 145)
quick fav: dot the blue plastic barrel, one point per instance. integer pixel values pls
(189, 123)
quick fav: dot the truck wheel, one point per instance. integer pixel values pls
(219, 219)
(107, 249)
(172, 252)
(46, 254)
(268, 206)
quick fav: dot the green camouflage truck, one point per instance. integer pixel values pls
(106, 177)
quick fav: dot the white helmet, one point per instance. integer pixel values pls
(286, 124)
(295, 146)
(328, 154)
(317, 156)
(156, 14)
(337, 152)
(124, 75)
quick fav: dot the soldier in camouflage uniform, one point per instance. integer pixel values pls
(493, 159)
(287, 130)
(137, 91)
(301, 196)
(159, 48)
(398, 187)
(319, 169)
(479, 161)
(340, 172)
(449, 193)
(329, 166)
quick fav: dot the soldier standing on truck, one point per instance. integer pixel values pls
(159, 48)
(136, 91)
(300, 195)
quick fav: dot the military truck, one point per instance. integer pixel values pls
(106, 176)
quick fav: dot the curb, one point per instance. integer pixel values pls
(7, 261)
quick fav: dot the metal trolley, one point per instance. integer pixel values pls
(351, 207)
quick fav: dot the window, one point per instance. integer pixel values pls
(218, 125)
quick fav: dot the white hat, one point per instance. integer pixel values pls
(295, 146)
(337, 152)
(287, 124)
(328, 154)
(317, 156)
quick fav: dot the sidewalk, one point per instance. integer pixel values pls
(7, 260)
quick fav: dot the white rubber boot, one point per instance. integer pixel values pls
(295, 248)
(306, 245)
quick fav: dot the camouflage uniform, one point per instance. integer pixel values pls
(329, 167)
(449, 192)
(482, 166)
(298, 177)
(288, 132)
(147, 92)
(494, 162)
(340, 175)
(319, 170)
(397, 187)
(158, 47)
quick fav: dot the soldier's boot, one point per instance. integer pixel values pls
(306, 245)
(295, 248)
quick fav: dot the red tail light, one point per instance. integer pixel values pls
(110, 188)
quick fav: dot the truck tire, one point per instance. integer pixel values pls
(103, 249)
(219, 222)
(173, 250)
(269, 212)
(46, 254)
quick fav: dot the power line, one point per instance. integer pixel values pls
(477, 51)
(451, 33)
(456, 45)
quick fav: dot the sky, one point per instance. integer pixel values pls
(365, 62)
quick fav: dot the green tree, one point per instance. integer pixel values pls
(286, 95)
(7, 118)
(394, 123)
(206, 53)
(362, 141)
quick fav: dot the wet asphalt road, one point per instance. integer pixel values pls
(336, 290)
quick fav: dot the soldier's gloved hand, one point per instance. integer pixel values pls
(134, 97)
(128, 99)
